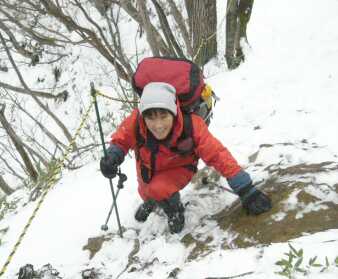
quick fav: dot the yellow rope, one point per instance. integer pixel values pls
(50, 183)
(98, 93)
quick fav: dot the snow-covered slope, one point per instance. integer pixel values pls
(284, 97)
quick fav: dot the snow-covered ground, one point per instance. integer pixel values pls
(285, 93)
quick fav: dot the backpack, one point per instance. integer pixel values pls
(193, 94)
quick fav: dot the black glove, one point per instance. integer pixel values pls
(109, 163)
(254, 201)
(108, 167)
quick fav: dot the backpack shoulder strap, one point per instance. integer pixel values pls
(185, 143)
(187, 125)
(152, 145)
(139, 138)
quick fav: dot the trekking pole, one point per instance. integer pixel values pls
(93, 93)
(122, 179)
(206, 181)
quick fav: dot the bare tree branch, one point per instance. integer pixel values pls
(28, 92)
(167, 31)
(135, 14)
(18, 144)
(181, 25)
(45, 108)
(87, 34)
(5, 187)
(42, 127)
(15, 43)
(36, 154)
(147, 26)
(14, 157)
(35, 35)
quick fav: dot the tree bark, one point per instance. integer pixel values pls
(245, 9)
(231, 26)
(18, 145)
(202, 17)
(237, 18)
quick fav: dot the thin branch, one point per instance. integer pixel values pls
(28, 92)
(45, 108)
(43, 128)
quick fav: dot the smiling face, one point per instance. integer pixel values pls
(159, 122)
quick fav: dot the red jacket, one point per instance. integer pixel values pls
(171, 173)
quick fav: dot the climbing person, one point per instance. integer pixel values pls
(168, 144)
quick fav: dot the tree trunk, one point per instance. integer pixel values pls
(202, 18)
(18, 145)
(5, 187)
(237, 18)
(245, 9)
(231, 26)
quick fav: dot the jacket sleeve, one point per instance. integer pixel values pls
(212, 151)
(125, 137)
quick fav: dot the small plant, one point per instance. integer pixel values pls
(7, 206)
(294, 263)
(51, 172)
(46, 176)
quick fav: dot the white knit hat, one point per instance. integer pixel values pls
(158, 95)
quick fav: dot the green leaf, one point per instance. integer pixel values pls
(300, 253)
(336, 261)
(291, 257)
(299, 262)
(301, 270)
(323, 269)
(312, 260)
(327, 261)
(283, 273)
(283, 262)
(317, 265)
(292, 249)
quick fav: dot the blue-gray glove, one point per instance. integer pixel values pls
(109, 163)
(253, 200)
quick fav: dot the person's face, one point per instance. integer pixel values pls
(159, 123)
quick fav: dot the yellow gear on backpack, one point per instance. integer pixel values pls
(207, 95)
